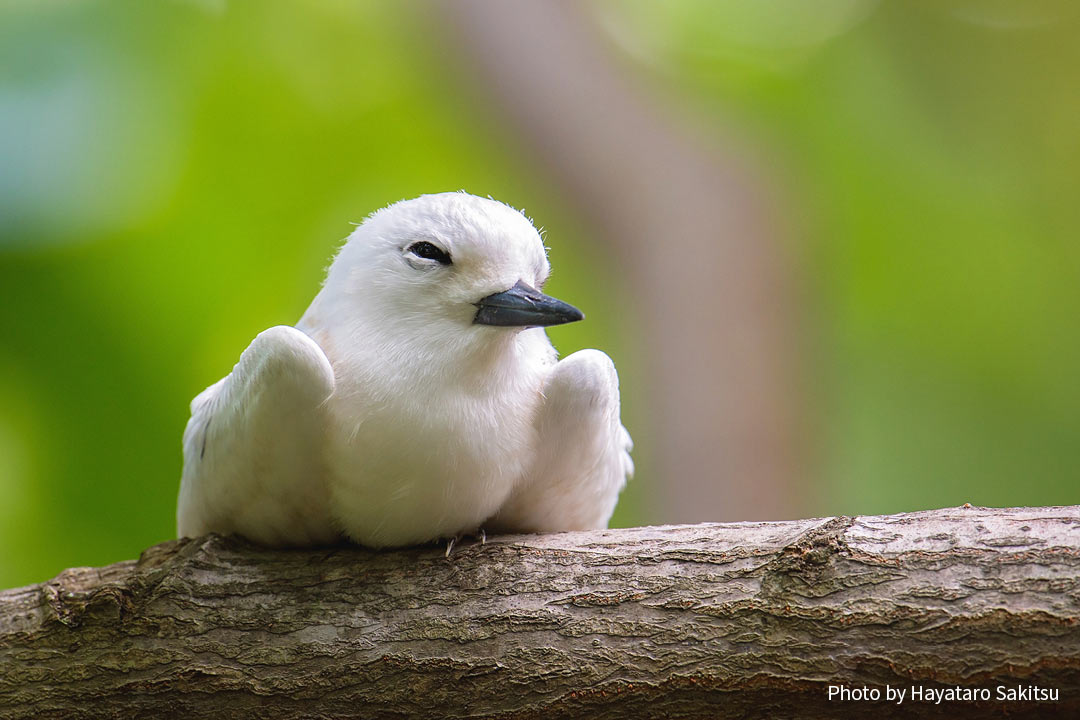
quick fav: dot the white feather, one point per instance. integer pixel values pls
(253, 448)
(391, 418)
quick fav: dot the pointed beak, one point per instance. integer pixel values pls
(524, 306)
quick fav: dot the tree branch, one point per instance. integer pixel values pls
(741, 620)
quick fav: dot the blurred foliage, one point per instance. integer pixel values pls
(930, 157)
(176, 179)
(175, 176)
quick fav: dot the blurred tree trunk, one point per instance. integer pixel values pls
(695, 234)
(746, 620)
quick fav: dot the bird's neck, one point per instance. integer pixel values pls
(385, 356)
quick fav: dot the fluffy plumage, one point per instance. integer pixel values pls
(391, 416)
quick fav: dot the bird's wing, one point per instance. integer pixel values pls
(252, 448)
(583, 452)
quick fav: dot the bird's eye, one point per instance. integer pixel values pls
(428, 251)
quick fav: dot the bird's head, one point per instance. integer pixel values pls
(447, 262)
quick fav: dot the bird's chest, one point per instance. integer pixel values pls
(410, 468)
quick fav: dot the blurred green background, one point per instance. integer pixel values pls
(175, 176)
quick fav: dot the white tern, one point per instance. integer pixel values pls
(417, 399)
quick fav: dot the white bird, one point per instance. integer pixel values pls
(417, 399)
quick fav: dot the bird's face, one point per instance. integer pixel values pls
(448, 262)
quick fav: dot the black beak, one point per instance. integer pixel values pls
(524, 306)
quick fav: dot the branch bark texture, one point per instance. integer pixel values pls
(740, 620)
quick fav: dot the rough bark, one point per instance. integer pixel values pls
(741, 620)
